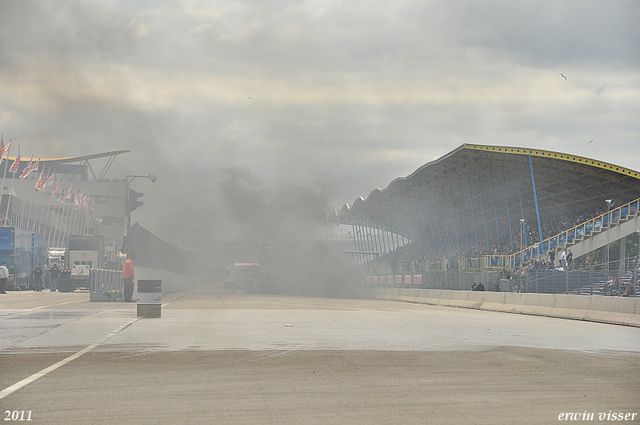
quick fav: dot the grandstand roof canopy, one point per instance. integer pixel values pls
(491, 188)
(73, 166)
(77, 158)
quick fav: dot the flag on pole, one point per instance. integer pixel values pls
(49, 180)
(40, 182)
(4, 149)
(55, 189)
(68, 194)
(27, 169)
(16, 163)
(61, 193)
(35, 166)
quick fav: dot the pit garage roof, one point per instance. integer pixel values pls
(487, 189)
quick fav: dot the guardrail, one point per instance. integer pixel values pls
(105, 280)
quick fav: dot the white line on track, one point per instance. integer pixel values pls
(42, 306)
(15, 387)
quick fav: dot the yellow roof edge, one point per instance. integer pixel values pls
(556, 155)
(74, 158)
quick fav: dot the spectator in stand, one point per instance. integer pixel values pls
(552, 257)
(629, 290)
(563, 259)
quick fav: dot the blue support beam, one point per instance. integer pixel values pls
(535, 199)
(515, 163)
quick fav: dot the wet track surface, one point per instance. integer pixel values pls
(216, 357)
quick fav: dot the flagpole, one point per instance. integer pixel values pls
(60, 223)
(49, 217)
(47, 211)
(33, 195)
(24, 200)
(76, 213)
(67, 219)
(41, 186)
(55, 223)
(38, 195)
(11, 192)
(53, 215)
(59, 220)
(4, 176)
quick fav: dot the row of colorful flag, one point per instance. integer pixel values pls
(59, 192)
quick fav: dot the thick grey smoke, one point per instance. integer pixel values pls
(231, 203)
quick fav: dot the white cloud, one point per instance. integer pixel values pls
(350, 93)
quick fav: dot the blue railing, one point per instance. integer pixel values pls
(595, 224)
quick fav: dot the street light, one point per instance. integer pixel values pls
(129, 197)
(610, 203)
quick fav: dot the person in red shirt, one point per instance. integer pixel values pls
(127, 276)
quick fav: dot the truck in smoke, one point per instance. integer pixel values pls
(241, 276)
(84, 254)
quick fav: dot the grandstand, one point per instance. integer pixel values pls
(486, 208)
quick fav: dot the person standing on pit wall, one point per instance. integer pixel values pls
(127, 276)
(563, 259)
(569, 259)
(4, 275)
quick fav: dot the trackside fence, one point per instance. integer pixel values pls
(105, 280)
(577, 282)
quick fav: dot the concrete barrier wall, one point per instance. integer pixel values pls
(539, 304)
(171, 282)
(594, 308)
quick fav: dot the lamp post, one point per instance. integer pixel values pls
(610, 203)
(127, 206)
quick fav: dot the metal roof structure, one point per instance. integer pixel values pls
(74, 167)
(472, 199)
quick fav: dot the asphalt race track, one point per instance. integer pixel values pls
(221, 358)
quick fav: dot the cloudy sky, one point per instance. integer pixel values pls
(255, 112)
